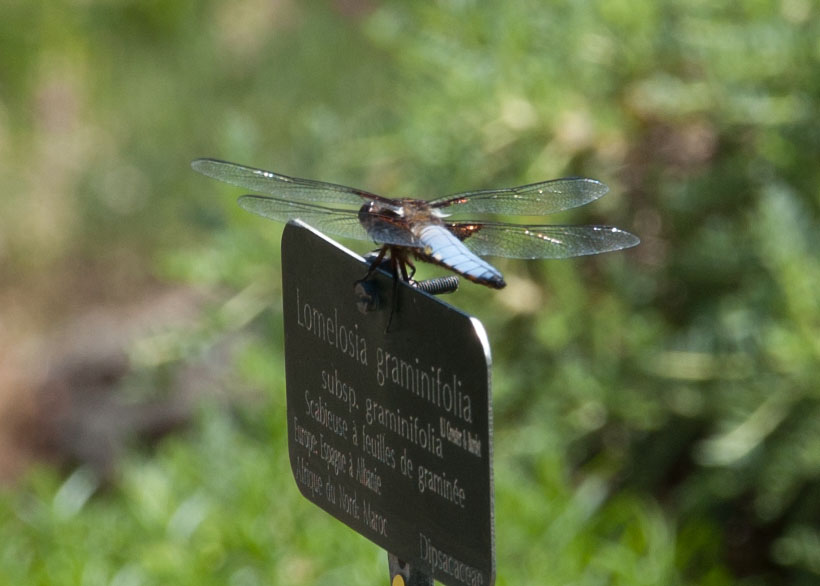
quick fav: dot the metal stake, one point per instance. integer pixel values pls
(403, 574)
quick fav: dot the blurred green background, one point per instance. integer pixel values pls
(657, 411)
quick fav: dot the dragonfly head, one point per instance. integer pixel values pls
(374, 212)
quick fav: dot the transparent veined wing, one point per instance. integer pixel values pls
(339, 222)
(516, 241)
(306, 190)
(536, 199)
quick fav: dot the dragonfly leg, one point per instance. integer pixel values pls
(396, 265)
(399, 262)
(409, 263)
(376, 263)
(403, 267)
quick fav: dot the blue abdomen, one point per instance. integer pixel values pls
(442, 247)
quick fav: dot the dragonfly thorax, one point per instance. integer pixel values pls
(396, 222)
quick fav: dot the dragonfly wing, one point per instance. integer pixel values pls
(339, 222)
(344, 223)
(516, 241)
(281, 186)
(536, 199)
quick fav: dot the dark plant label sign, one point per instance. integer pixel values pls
(389, 432)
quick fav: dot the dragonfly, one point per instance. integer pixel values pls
(415, 229)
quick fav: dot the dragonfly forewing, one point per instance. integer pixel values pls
(536, 199)
(306, 190)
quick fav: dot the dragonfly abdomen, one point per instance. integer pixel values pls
(440, 246)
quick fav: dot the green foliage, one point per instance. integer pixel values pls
(222, 509)
(656, 410)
